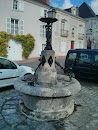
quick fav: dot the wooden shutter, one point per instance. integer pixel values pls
(21, 27)
(8, 25)
(21, 5)
(42, 12)
(41, 30)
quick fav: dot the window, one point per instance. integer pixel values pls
(43, 12)
(73, 31)
(42, 31)
(62, 27)
(63, 24)
(96, 59)
(64, 31)
(15, 4)
(80, 28)
(74, 11)
(18, 5)
(84, 58)
(14, 26)
(80, 45)
(72, 57)
(81, 32)
(6, 64)
(43, 46)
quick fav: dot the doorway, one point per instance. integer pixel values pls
(72, 45)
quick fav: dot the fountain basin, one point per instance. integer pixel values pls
(48, 101)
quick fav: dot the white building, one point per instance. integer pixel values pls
(91, 18)
(22, 17)
(92, 32)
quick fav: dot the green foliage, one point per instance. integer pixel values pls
(4, 38)
(28, 43)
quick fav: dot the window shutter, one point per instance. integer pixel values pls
(21, 5)
(40, 48)
(21, 27)
(8, 25)
(41, 30)
(42, 12)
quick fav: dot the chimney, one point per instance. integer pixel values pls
(77, 11)
(46, 1)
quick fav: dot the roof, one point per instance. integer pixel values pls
(68, 10)
(39, 1)
(84, 50)
(85, 11)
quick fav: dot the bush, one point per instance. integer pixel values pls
(28, 43)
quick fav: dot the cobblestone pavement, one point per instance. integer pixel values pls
(85, 116)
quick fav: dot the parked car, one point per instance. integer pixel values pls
(10, 71)
(83, 62)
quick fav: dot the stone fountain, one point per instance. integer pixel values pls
(49, 95)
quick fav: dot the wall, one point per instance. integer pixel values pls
(92, 23)
(31, 16)
(63, 44)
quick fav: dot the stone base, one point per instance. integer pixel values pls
(47, 72)
(44, 109)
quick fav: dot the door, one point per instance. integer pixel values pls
(14, 50)
(8, 72)
(72, 44)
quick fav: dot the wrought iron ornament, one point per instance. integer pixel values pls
(49, 22)
(48, 37)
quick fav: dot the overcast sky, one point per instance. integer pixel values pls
(63, 4)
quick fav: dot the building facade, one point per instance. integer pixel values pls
(22, 17)
(91, 18)
(69, 32)
(92, 33)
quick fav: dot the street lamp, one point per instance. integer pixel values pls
(51, 13)
(49, 20)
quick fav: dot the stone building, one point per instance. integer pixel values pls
(22, 17)
(69, 32)
(91, 18)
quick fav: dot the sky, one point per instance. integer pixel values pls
(63, 4)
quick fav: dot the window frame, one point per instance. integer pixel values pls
(19, 5)
(14, 26)
(68, 60)
(95, 61)
(12, 65)
(84, 61)
(14, 5)
(42, 31)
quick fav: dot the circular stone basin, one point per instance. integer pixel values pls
(48, 101)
